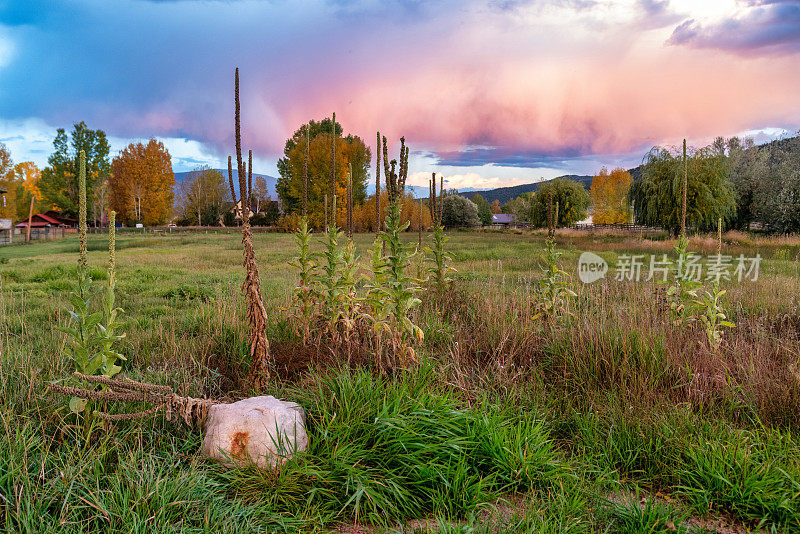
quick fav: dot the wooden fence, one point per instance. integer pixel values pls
(622, 227)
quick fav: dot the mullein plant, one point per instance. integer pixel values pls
(439, 272)
(554, 292)
(377, 300)
(83, 325)
(333, 285)
(420, 255)
(683, 288)
(711, 312)
(305, 294)
(92, 334)
(399, 289)
(110, 324)
(260, 359)
(349, 303)
(327, 279)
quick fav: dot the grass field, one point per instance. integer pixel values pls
(612, 419)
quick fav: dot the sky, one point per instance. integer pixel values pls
(489, 94)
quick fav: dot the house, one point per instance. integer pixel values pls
(503, 220)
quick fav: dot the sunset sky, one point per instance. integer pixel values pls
(487, 93)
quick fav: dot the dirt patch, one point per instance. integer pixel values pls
(293, 359)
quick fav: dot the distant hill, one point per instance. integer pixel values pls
(271, 180)
(504, 194)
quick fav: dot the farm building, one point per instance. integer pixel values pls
(503, 220)
(48, 225)
(49, 219)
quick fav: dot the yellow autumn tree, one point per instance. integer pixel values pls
(609, 194)
(7, 185)
(29, 174)
(141, 183)
(349, 150)
(19, 182)
(410, 212)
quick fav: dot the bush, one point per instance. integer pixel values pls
(459, 211)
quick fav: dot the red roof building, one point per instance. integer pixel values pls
(51, 218)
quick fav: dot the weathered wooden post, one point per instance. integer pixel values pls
(30, 219)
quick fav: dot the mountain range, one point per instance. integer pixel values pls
(504, 194)
(418, 191)
(271, 180)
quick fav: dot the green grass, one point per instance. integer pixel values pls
(509, 425)
(634, 515)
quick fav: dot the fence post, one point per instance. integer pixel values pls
(30, 218)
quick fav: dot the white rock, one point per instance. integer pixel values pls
(265, 430)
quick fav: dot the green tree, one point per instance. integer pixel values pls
(484, 209)
(261, 196)
(520, 207)
(657, 196)
(59, 181)
(349, 150)
(766, 182)
(458, 211)
(201, 197)
(571, 198)
(746, 167)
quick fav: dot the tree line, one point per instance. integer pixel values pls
(732, 179)
(137, 183)
(746, 185)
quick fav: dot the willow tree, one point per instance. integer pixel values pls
(657, 196)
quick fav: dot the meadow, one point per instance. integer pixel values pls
(611, 418)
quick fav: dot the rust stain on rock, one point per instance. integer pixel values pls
(239, 443)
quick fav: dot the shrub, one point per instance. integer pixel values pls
(458, 211)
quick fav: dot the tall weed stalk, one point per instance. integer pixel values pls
(305, 294)
(682, 293)
(329, 277)
(710, 304)
(399, 288)
(92, 333)
(554, 294)
(110, 324)
(440, 270)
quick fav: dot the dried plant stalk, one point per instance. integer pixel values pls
(333, 168)
(378, 186)
(191, 410)
(305, 171)
(251, 287)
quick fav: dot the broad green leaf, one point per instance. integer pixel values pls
(77, 405)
